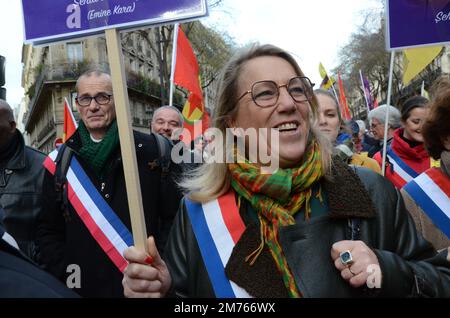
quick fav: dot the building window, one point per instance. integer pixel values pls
(75, 51)
(73, 101)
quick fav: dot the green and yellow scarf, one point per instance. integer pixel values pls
(277, 198)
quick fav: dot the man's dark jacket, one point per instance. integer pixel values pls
(65, 240)
(362, 206)
(21, 180)
(21, 278)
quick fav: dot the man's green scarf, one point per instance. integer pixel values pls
(97, 154)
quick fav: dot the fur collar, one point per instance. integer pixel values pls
(347, 198)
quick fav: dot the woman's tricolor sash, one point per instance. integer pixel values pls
(217, 225)
(431, 192)
(103, 224)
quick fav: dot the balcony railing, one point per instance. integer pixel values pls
(427, 77)
(47, 128)
(71, 71)
(68, 71)
(136, 121)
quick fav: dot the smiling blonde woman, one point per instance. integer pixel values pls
(313, 228)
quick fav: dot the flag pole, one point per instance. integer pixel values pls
(174, 60)
(386, 121)
(364, 91)
(206, 97)
(422, 89)
(334, 92)
(330, 78)
(337, 98)
(70, 112)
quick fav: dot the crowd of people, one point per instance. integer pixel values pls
(326, 223)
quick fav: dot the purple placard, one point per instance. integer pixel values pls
(411, 23)
(47, 21)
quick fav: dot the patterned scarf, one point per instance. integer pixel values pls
(98, 153)
(277, 198)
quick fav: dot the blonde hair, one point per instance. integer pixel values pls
(211, 180)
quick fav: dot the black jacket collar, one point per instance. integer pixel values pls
(74, 142)
(17, 161)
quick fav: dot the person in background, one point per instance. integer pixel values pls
(165, 120)
(427, 196)
(406, 156)
(86, 219)
(21, 182)
(199, 146)
(377, 119)
(363, 143)
(357, 135)
(440, 84)
(312, 228)
(330, 123)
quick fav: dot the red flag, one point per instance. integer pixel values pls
(345, 111)
(70, 124)
(375, 103)
(186, 67)
(186, 75)
(196, 120)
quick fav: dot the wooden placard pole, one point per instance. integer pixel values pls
(386, 119)
(129, 161)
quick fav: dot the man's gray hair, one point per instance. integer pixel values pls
(380, 114)
(95, 72)
(4, 107)
(180, 115)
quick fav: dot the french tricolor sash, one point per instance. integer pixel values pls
(218, 226)
(431, 192)
(401, 172)
(103, 224)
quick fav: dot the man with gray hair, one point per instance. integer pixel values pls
(377, 118)
(88, 225)
(165, 120)
(21, 179)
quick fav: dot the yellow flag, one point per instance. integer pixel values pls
(322, 71)
(327, 81)
(416, 59)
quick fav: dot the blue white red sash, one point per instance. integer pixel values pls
(431, 192)
(218, 226)
(103, 224)
(401, 172)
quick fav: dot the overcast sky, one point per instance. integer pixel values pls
(311, 30)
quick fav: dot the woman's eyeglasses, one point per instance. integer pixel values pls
(266, 93)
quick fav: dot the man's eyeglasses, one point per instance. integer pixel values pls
(101, 99)
(266, 93)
